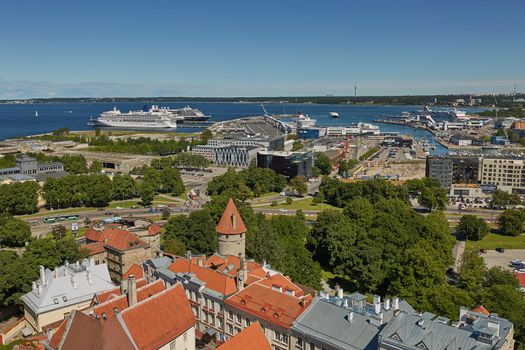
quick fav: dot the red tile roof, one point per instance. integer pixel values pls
(521, 278)
(113, 293)
(250, 338)
(160, 319)
(95, 248)
(481, 309)
(121, 302)
(270, 305)
(116, 238)
(81, 332)
(231, 222)
(231, 264)
(214, 280)
(282, 282)
(153, 229)
(135, 270)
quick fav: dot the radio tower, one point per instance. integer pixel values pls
(515, 91)
(355, 90)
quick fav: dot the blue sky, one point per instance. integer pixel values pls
(259, 48)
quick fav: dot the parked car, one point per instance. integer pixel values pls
(500, 250)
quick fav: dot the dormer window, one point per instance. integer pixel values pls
(263, 310)
(55, 300)
(64, 298)
(276, 315)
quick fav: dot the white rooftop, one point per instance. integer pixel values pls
(67, 285)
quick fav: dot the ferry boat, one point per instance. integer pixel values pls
(146, 118)
(353, 130)
(188, 114)
(334, 115)
(304, 122)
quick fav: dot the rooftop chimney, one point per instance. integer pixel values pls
(91, 261)
(395, 303)
(89, 278)
(132, 290)
(493, 326)
(124, 286)
(350, 316)
(188, 255)
(340, 293)
(42, 275)
(56, 272)
(387, 304)
(74, 281)
(33, 285)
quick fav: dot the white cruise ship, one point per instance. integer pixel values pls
(153, 117)
(188, 114)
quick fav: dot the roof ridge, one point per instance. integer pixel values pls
(126, 330)
(165, 291)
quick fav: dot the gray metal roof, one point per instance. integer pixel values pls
(426, 331)
(67, 285)
(329, 324)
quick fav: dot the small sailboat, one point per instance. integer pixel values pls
(334, 115)
(36, 113)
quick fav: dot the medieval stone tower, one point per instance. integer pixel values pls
(231, 232)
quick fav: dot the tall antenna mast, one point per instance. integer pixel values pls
(355, 90)
(515, 91)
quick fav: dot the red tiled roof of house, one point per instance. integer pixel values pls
(481, 309)
(116, 238)
(231, 264)
(121, 302)
(521, 278)
(282, 282)
(155, 321)
(153, 229)
(214, 280)
(115, 292)
(95, 248)
(81, 332)
(231, 222)
(273, 306)
(250, 338)
(135, 270)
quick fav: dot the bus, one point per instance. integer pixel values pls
(57, 218)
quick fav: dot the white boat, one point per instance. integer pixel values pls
(153, 117)
(304, 122)
(189, 114)
(334, 115)
(36, 113)
(354, 129)
(460, 115)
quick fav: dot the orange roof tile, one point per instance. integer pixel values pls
(231, 222)
(214, 280)
(481, 309)
(57, 335)
(116, 238)
(160, 319)
(280, 281)
(115, 292)
(521, 278)
(250, 338)
(121, 302)
(94, 248)
(231, 264)
(153, 229)
(273, 306)
(135, 270)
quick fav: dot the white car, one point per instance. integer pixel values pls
(283, 210)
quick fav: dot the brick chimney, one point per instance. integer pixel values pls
(43, 276)
(132, 290)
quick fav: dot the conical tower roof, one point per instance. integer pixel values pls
(231, 222)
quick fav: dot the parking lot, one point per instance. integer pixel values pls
(494, 258)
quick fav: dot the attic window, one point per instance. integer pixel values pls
(55, 300)
(276, 315)
(64, 298)
(263, 310)
(395, 337)
(243, 302)
(422, 345)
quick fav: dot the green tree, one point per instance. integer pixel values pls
(323, 163)
(153, 179)
(299, 185)
(471, 271)
(13, 232)
(433, 198)
(124, 187)
(297, 145)
(95, 167)
(498, 276)
(475, 228)
(502, 199)
(509, 303)
(146, 193)
(19, 197)
(174, 246)
(511, 222)
(74, 164)
(171, 181)
(196, 231)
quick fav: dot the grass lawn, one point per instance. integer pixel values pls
(303, 204)
(165, 199)
(123, 204)
(493, 241)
